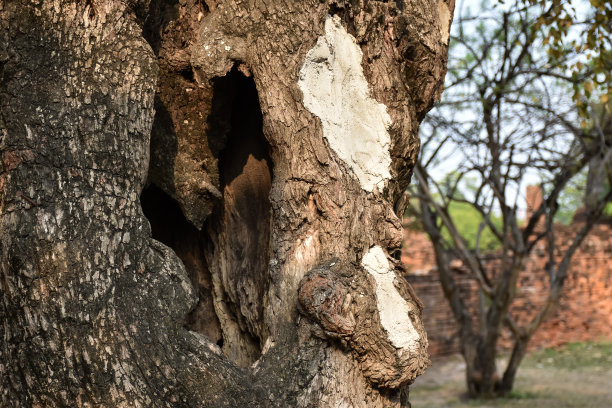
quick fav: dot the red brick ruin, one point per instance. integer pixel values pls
(585, 309)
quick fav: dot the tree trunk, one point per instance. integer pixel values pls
(272, 140)
(597, 179)
(481, 367)
(518, 353)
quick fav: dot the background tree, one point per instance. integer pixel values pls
(273, 139)
(506, 118)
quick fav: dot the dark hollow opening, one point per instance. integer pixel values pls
(234, 242)
(240, 224)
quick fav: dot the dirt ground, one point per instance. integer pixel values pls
(578, 375)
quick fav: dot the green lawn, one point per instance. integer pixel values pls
(577, 376)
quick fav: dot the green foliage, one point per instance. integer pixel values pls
(590, 42)
(468, 220)
(571, 198)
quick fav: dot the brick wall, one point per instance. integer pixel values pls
(584, 311)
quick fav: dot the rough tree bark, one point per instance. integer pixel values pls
(272, 140)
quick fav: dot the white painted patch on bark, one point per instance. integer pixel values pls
(336, 91)
(392, 307)
(445, 18)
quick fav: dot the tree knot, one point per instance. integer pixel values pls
(326, 301)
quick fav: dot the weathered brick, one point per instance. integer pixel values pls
(584, 311)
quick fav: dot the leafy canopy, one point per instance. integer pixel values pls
(589, 36)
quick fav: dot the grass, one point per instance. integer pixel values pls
(574, 356)
(578, 375)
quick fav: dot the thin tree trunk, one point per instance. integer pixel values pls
(518, 353)
(282, 133)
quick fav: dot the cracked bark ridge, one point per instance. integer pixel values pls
(92, 308)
